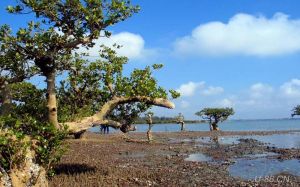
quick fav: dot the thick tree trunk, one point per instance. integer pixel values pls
(6, 103)
(214, 126)
(51, 99)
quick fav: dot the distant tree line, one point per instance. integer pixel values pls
(164, 120)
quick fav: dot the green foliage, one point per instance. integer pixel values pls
(174, 94)
(17, 135)
(216, 114)
(27, 127)
(28, 101)
(296, 111)
(12, 149)
(61, 27)
(157, 66)
(92, 84)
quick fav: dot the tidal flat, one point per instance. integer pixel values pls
(239, 158)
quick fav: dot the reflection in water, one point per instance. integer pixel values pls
(262, 167)
(220, 139)
(260, 155)
(198, 157)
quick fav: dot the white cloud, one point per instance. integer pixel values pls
(291, 88)
(133, 46)
(226, 103)
(244, 34)
(259, 100)
(211, 90)
(259, 90)
(189, 89)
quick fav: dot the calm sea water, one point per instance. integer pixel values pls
(232, 125)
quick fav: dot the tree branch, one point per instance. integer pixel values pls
(77, 42)
(100, 117)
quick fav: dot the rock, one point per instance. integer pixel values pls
(4, 179)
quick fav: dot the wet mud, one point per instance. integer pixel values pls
(178, 159)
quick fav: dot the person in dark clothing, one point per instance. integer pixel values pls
(104, 129)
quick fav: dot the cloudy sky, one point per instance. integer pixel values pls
(235, 53)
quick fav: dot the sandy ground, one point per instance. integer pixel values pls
(119, 160)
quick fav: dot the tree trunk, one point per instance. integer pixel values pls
(214, 126)
(149, 134)
(6, 103)
(79, 135)
(51, 99)
(182, 126)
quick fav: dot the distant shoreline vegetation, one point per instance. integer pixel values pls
(169, 120)
(165, 120)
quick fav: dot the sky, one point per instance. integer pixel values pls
(217, 53)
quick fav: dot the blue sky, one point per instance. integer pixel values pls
(238, 53)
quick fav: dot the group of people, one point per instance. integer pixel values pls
(104, 129)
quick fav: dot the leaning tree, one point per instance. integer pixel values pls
(215, 115)
(93, 93)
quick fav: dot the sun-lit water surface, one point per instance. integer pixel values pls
(262, 167)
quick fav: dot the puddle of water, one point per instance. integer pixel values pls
(198, 157)
(221, 140)
(262, 167)
(260, 155)
(176, 140)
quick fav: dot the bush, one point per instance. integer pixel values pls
(18, 135)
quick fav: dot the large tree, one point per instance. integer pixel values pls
(215, 115)
(61, 27)
(93, 93)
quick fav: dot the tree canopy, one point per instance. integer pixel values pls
(61, 27)
(296, 111)
(215, 115)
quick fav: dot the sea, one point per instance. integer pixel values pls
(230, 125)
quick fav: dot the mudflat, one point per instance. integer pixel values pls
(172, 159)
